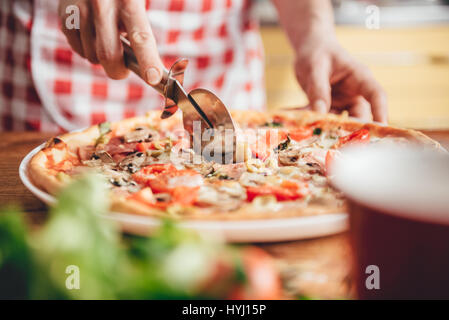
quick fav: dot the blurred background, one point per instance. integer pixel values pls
(408, 52)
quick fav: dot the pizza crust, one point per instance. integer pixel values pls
(45, 178)
(42, 177)
(304, 117)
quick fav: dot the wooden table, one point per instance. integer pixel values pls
(316, 268)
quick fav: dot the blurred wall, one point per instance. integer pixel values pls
(411, 62)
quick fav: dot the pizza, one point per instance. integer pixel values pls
(152, 169)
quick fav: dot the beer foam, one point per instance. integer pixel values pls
(406, 181)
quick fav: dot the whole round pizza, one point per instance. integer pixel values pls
(152, 168)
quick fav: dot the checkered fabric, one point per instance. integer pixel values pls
(45, 86)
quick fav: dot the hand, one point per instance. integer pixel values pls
(334, 81)
(98, 40)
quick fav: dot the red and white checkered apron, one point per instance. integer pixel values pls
(46, 86)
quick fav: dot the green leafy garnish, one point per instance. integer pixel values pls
(240, 274)
(317, 131)
(104, 129)
(63, 177)
(173, 264)
(283, 145)
(273, 124)
(15, 257)
(305, 297)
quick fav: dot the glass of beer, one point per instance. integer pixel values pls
(398, 201)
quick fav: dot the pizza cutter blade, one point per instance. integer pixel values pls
(205, 117)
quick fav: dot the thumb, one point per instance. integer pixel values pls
(318, 88)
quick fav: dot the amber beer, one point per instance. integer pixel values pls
(399, 218)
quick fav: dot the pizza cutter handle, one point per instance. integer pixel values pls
(132, 64)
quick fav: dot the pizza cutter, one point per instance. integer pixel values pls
(201, 109)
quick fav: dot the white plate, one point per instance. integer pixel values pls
(269, 230)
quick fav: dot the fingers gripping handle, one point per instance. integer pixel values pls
(165, 87)
(132, 64)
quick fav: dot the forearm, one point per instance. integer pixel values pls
(304, 18)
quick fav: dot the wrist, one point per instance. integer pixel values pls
(316, 32)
